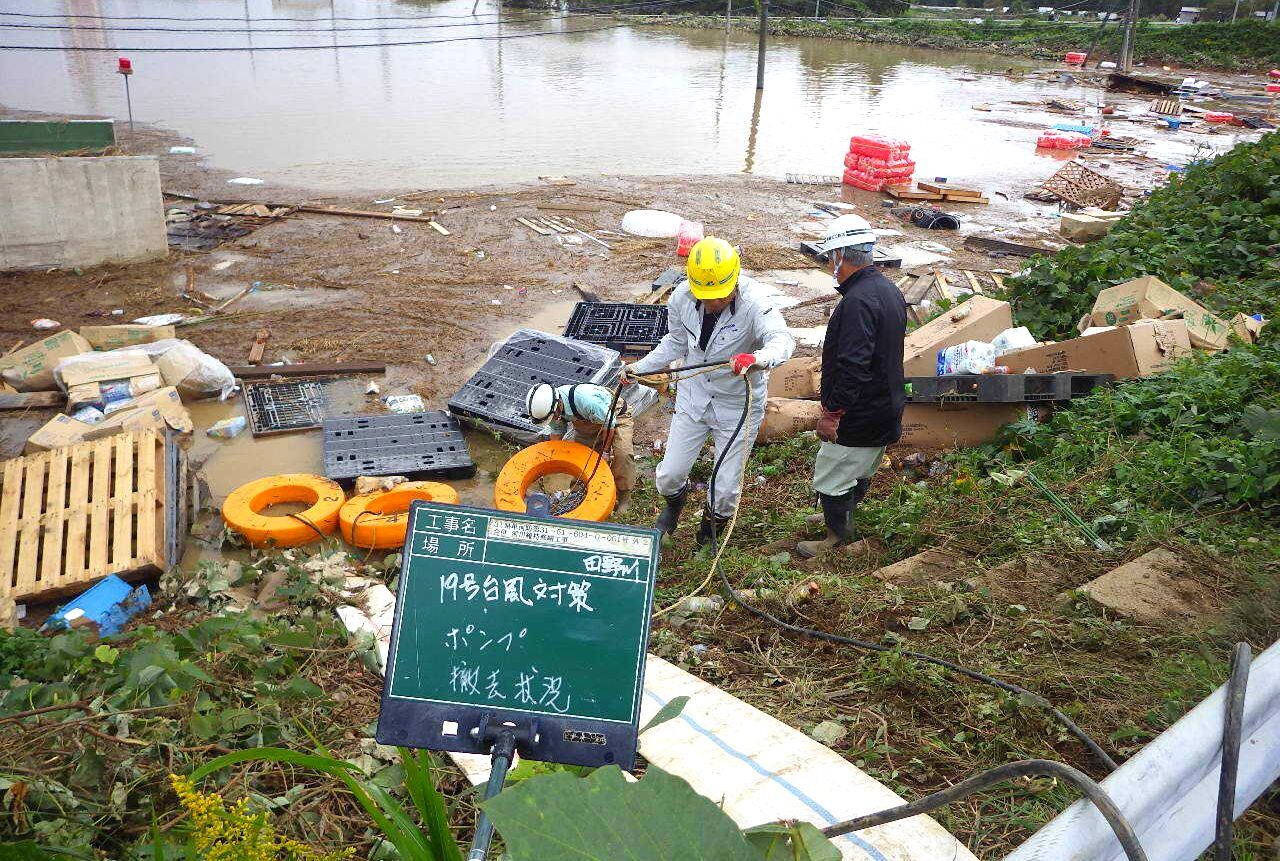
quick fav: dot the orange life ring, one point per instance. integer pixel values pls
(241, 509)
(380, 519)
(547, 458)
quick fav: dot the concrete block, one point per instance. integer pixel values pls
(1151, 589)
(64, 212)
(923, 567)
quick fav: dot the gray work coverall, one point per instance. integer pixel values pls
(710, 404)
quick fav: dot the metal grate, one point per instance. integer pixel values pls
(283, 407)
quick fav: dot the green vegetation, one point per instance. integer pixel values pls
(1212, 233)
(1243, 46)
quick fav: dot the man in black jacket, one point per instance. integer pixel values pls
(862, 381)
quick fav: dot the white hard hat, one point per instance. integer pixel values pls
(540, 402)
(848, 230)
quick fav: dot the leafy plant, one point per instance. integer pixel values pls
(433, 841)
(557, 816)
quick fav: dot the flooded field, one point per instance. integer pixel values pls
(552, 95)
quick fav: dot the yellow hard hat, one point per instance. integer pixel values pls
(712, 269)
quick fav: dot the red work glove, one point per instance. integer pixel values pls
(829, 424)
(743, 362)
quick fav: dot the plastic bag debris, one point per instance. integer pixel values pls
(161, 319)
(404, 403)
(45, 323)
(971, 357)
(227, 428)
(244, 180)
(1013, 339)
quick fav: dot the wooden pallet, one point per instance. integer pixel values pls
(71, 516)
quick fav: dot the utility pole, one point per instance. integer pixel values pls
(817, 5)
(728, 16)
(764, 26)
(1234, 11)
(1126, 46)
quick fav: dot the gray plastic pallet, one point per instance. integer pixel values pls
(494, 396)
(1003, 388)
(418, 445)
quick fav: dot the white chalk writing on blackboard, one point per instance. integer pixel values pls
(456, 587)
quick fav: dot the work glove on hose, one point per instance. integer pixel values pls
(742, 363)
(829, 424)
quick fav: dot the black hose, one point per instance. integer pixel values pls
(1098, 753)
(1023, 768)
(1233, 725)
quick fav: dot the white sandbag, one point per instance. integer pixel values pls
(1013, 339)
(193, 371)
(652, 223)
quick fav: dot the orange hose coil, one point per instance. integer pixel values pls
(548, 458)
(380, 519)
(242, 508)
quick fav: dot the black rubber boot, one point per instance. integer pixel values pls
(712, 526)
(836, 511)
(669, 519)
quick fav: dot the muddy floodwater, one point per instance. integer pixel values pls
(475, 109)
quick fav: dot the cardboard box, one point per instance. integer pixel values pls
(978, 318)
(31, 368)
(1247, 327)
(108, 366)
(796, 378)
(1140, 350)
(1150, 298)
(112, 337)
(158, 409)
(59, 432)
(933, 426)
(1088, 225)
(786, 417)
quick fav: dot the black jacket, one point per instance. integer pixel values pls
(862, 360)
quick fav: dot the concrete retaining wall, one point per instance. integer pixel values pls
(62, 212)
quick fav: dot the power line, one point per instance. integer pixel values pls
(214, 50)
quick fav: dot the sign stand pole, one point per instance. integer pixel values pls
(505, 739)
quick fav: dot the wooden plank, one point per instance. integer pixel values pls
(964, 198)
(903, 192)
(945, 188)
(996, 277)
(973, 281)
(438, 228)
(944, 287)
(99, 508)
(1003, 246)
(307, 369)
(29, 523)
(32, 401)
(55, 506)
(76, 553)
(122, 502)
(554, 225)
(537, 228)
(150, 541)
(10, 496)
(259, 347)
(568, 207)
(363, 213)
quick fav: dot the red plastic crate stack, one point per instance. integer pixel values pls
(875, 161)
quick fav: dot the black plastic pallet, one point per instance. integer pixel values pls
(629, 329)
(495, 395)
(281, 407)
(417, 445)
(879, 256)
(1003, 388)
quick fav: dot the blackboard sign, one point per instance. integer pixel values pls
(519, 619)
